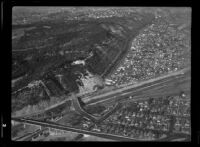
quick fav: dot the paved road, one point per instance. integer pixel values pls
(123, 93)
(140, 88)
(141, 91)
(116, 107)
(120, 94)
(49, 109)
(62, 127)
(80, 110)
(18, 138)
(72, 129)
(28, 137)
(155, 92)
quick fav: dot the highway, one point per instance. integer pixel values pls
(162, 86)
(18, 138)
(66, 128)
(72, 129)
(29, 136)
(140, 88)
(49, 109)
(144, 94)
(166, 84)
(157, 87)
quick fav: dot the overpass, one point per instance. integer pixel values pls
(165, 85)
(95, 119)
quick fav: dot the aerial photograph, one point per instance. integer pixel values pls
(101, 74)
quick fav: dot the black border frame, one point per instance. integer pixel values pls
(6, 9)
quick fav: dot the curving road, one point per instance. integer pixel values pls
(167, 84)
(160, 86)
(81, 111)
